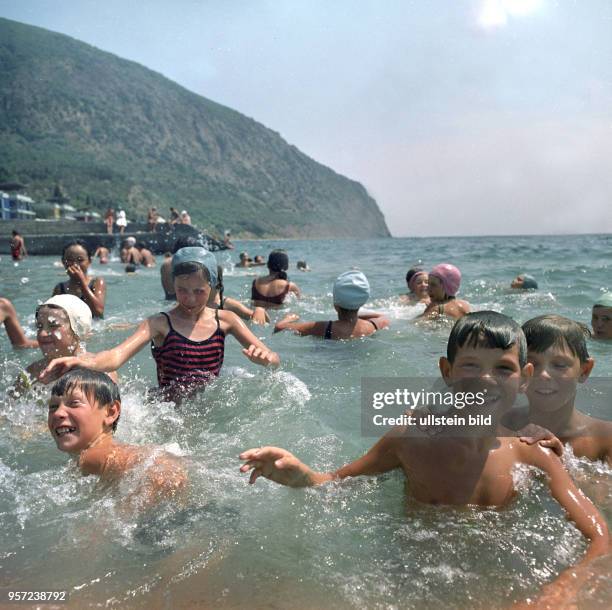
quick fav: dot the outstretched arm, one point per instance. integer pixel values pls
(289, 322)
(15, 333)
(254, 349)
(258, 314)
(283, 467)
(106, 361)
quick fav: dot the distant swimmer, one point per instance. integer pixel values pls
(103, 254)
(524, 282)
(351, 291)
(601, 317)
(302, 266)
(129, 252)
(271, 290)
(76, 258)
(17, 245)
(146, 256)
(417, 281)
(443, 284)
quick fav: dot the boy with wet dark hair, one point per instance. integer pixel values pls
(84, 410)
(557, 350)
(485, 348)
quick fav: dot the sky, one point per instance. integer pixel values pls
(460, 117)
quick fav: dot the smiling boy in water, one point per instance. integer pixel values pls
(557, 350)
(486, 348)
(84, 411)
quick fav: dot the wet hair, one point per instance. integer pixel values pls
(488, 329)
(412, 271)
(76, 242)
(188, 268)
(554, 330)
(95, 385)
(278, 263)
(220, 284)
(15, 232)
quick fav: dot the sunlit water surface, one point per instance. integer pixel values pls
(349, 545)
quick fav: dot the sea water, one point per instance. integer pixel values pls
(350, 545)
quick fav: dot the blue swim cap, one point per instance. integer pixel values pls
(194, 254)
(529, 281)
(351, 290)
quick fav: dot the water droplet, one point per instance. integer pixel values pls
(25, 280)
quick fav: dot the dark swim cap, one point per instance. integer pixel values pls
(529, 281)
(278, 261)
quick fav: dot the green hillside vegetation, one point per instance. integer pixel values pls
(111, 131)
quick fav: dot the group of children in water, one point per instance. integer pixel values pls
(546, 359)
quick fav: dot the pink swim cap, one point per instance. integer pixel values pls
(450, 277)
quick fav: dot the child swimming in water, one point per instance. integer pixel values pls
(8, 317)
(417, 281)
(351, 291)
(76, 258)
(443, 284)
(271, 290)
(524, 282)
(601, 317)
(441, 467)
(103, 254)
(557, 350)
(84, 411)
(188, 342)
(63, 323)
(217, 301)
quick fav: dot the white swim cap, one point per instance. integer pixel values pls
(351, 290)
(78, 312)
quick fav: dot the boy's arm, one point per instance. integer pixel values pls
(579, 508)
(289, 322)
(106, 361)
(283, 467)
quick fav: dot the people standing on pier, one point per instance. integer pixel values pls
(76, 258)
(109, 219)
(121, 221)
(17, 244)
(152, 219)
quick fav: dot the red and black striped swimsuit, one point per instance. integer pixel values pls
(185, 364)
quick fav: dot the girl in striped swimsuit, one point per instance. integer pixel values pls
(188, 341)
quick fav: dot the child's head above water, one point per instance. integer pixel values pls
(552, 330)
(84, 406)
(76, 252)
(278, 263)
(62, 322)
(195, 259)
(487, 329)
(601, 317)
(351, 290)
(444, 281)
(524, 282)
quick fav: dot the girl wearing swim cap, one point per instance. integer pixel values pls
(417, 281)
(187, 342)
(62, 323)
(443, 285)
(351, 291)
(271, 290)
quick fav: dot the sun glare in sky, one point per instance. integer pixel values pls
(495, 13)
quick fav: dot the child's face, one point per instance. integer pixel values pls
(435, 288)
(76, 420)
(192, 291)
(55, 335)
(421, 285)
(498, 371)
(518, 282)
(556, 373)
(76, 255)
(601, 320)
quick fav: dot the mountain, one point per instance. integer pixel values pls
(113, 132)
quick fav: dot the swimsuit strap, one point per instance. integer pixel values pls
(222, 303)
(163, 313)
(328, 330)
(217, 318)
(373, 324)
(441, 309)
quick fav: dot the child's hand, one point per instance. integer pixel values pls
(532, 433)
(57, 367)
(260, 355)
(290, 317)
(76, 273)
(278, 465)
(260, 316)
